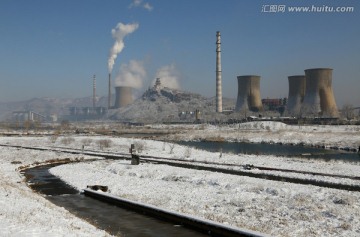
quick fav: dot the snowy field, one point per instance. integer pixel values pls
(271, 207)
(25, 213)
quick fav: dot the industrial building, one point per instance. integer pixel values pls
(28, 115)
(274, 104)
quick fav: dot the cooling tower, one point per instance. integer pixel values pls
(123, 96)
(319, 97)
(296, 94)
(248, 93)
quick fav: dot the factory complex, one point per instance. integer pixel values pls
(309, 96)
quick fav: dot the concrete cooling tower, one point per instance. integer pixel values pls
(123, 96)
(319, 97)
(296, 94)
(248, 94)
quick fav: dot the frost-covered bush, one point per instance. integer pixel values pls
(53, 138)
(67, 140)
(140, 146)
(187, 152)
(171, 146)
(104, 143)
(86, 141)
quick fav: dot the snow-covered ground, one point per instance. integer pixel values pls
(272, 207)
(25, 213)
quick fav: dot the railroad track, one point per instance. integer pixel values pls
(197, 165)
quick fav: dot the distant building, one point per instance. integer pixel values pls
(274, 104)
(27, 116)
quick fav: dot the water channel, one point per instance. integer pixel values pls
(273, 149)
(114, 220)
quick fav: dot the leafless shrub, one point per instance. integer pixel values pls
(86, 141)
(187, 152)
(345, 226)
(104, 143)
(164, 146)
(53, 138)
(171, 146)
(67, 140)
(140, 146)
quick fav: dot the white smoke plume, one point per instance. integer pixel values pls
(169, 76)
(119, 33)
(139, 3)
(132, 74)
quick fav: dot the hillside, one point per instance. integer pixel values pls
(165, 104)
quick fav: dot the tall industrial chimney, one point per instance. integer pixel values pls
(248, 93)
(94, 91)
(109, 97)
(319, 97)
(218, 73)
(297, 86)
(123, 96)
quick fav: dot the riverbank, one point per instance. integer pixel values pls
(344, 136)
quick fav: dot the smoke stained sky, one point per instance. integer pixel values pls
(53, 48)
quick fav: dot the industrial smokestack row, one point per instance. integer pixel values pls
(319, 97)
(123, 96)
(248, 97)
(296, 94)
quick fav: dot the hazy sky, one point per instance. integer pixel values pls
(52, 48)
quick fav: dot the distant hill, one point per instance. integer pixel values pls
(166, 104)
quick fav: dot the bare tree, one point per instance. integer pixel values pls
(347, 111)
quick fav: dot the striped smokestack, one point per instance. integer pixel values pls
(218, 73)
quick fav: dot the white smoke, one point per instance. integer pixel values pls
(132, 74)
(119, 33)
(139, 3)
(169, 76)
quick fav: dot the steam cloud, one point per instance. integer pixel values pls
(132, 74)
(169, 76)
(119, 33)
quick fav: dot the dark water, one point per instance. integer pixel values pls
(114, 220)
(274, 149)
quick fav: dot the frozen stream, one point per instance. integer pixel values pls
(114, 220)
(273, 149)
